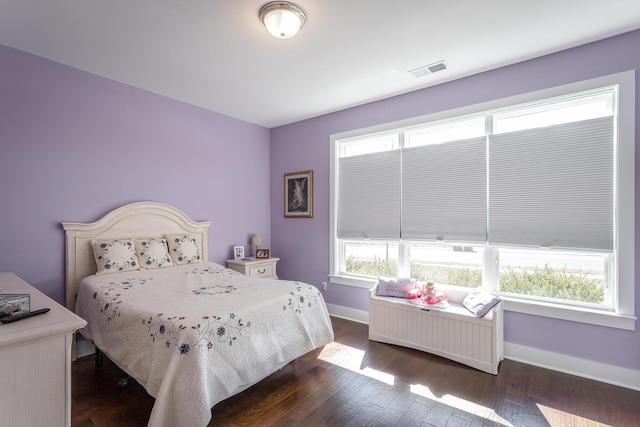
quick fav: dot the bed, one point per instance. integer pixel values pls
(190, 331)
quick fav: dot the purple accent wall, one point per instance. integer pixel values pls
(303, 244)
(74, 146)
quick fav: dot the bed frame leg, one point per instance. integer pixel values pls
(99, 358)
(99, 361)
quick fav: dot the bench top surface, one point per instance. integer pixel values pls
(454, 308)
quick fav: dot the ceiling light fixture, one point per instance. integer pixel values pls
(282, 19)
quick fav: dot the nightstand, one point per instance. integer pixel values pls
(35, 361)
(265, 268)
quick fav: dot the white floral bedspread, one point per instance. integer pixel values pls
(193, 334)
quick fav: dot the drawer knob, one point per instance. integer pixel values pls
(262, 271)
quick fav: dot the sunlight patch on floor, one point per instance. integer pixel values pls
(460, 404)
(557, 417)
(351, 358)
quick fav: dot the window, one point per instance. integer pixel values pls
(437, 133)
(571, 276)
(446, 263)
(370, 259)
(525, 197)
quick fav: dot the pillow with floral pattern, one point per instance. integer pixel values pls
(153, 253)
(184, 249)
(114, 256)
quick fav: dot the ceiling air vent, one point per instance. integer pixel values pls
(429, 69)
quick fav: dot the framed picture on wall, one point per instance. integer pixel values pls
(298, 194)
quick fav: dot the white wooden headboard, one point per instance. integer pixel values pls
(136, 220)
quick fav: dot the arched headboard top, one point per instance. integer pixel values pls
(133, 221)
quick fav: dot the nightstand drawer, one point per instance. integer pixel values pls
(263, 270)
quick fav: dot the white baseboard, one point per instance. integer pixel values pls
(359, 316)
(623, 377)
(602, 372)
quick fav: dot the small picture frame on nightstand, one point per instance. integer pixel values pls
(262, 253)
(238, 252)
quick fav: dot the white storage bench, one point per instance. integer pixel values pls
(452, 332)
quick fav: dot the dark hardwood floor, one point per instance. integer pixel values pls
(357, 382)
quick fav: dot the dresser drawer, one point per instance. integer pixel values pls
(264, 270)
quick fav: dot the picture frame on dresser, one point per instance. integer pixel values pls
(298, 194)
(238, 252)
(262, 253)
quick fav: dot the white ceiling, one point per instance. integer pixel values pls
(217, 55)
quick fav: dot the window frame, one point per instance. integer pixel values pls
(623, 314)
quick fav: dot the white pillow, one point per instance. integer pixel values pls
(153, 253)
(183, 248)
(114, 256)
(480, 302)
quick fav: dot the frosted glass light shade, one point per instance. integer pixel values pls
(282, 19)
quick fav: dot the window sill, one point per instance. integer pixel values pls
(575, 314)
(536, 308)
(357, 282)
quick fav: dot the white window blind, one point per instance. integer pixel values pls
(369, 196)
(554, 186)
(444, 191)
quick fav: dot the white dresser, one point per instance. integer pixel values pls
(263, 267)
(35, 361)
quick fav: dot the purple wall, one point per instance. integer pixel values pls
(303, 244)
(74, 146)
